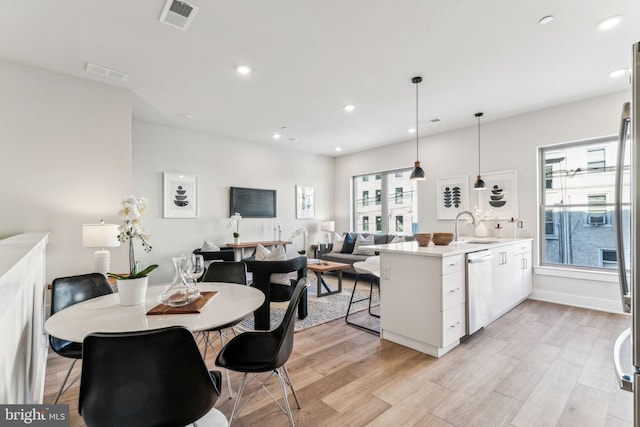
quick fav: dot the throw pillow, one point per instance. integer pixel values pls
(337, 243)
(278, 254)
(349, 243)
(364, 241)
(209, 246)
(398, 239)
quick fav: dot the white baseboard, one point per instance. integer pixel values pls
(610, 306)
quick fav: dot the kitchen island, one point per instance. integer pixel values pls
(424, 295)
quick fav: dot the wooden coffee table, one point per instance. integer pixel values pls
(320, 267)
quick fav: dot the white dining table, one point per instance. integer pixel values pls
(105, 314)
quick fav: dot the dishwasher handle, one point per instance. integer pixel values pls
(483, 258)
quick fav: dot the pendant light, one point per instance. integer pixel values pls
(479, 185)
(418, 173)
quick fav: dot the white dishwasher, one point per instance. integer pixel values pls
(478, 290)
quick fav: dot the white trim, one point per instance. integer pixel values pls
(572, 273)
(609, 306)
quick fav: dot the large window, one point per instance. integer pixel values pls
(577, 204)
(396, 204)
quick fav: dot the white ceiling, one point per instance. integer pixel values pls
(311, 57)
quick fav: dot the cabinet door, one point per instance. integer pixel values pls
(522, 275)
(503, 295)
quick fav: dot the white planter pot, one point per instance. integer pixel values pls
(482, 230)
(132, 291)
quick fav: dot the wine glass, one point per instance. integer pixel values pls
(192, 270)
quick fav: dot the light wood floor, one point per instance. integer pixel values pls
(540, 365)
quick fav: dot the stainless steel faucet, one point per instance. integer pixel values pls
(455, 223)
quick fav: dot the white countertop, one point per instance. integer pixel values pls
(463, 247)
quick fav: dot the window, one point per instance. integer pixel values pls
(399, 192)
(365, 178)
(576, 204)
(608, 258)
(395, 196)
(595, 160)
(597, 211)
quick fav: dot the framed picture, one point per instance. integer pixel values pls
(305, 202)
(452, 196)
(180, 195)
(501, 194)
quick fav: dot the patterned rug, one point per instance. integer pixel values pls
(321, 310)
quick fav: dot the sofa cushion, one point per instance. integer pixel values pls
(361, 241)
(278, 254)
(349, 243)
(337, 243)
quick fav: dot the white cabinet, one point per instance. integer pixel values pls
(512, 279)
(522, 278)
(423, 301)
(503, 292)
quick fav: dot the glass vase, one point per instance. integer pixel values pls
(180, 292)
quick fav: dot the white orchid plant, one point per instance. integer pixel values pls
(483, 215)
(234, 224)
(131, 228)
(295, 234)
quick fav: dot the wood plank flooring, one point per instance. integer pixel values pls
(539, 365)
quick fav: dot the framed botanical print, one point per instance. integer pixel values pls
(452, 197)
(180, 195)
(305, 202)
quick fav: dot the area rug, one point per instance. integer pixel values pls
(321, 310)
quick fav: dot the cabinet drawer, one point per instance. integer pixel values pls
(453, 290)
(454, 324)
(452, 264)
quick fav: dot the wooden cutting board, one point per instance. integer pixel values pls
(193, 307)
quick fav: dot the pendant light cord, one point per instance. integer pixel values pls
(417, 157)
(478, 115)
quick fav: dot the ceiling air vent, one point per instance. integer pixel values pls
(178, 14)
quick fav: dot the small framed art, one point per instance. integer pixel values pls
(180, 195)
(305, 202)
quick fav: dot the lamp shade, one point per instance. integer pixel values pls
(328, 226)
(100, 235)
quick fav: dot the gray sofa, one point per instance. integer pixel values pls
(347, 257)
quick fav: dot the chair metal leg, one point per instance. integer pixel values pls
(351, 302)
(238, 396)
(288, 379)
(283, 388)
(62, 389)
(226, 370)
(373, 280)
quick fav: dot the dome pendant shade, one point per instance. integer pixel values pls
(479, 184)
(418, 173)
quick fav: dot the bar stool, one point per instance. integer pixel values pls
(371, 268)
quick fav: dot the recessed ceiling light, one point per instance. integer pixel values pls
(545, 19)
(186, 115)
(276, 136)
(338, 149)
(243, 69)
(610, 22)
(412, 130)
(618, 73)
(349, 107)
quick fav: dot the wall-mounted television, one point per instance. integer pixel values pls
(252, 202)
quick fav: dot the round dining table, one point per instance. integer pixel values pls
(105, 314)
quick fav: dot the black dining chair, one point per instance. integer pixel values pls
(154, 377)
(265, 351)
(229, 272)
(66, 291)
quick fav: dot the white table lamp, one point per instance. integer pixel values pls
(328, 227)
(100, 236)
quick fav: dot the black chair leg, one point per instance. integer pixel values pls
(351, 302)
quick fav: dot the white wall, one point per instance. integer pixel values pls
(508, 144)
(220, 163)
(65, 147)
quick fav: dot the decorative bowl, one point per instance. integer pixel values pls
(442, 239)
(423, 239)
